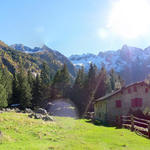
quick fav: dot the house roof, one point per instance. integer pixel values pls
(120, 90)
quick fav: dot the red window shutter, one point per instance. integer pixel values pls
(135, 89)
(133, 102)
(118, 103)
(129, 90)
(136, 102)
(146, 90)
(140, 102)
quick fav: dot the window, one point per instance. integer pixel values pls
(118, 103)
(142, 84)
(136, 102)
(135, 89)
(129, 90)
(146, 90)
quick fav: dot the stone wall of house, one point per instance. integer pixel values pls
(108, 106)
(100, 109)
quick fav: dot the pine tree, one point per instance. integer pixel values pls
(45, 74)
(3, 97)
(45, 83)
(7, 83)
(89, 86)
(30, 78)
(61, 83)
(108, 84)
(112, 79)
(3, 93)
(101, 90)
(92, 74)
(37, 92)
(15, 90)
(65, 77)
(78, 94)
(24, 88)
(56, 93)
(80, 79)
(25, 92)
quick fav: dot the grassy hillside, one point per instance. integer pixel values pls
(22, 133)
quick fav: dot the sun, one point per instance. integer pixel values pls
(130, 18)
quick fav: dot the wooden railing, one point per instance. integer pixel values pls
(139, 125)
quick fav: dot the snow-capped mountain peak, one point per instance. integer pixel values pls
(26, 49)
(127, 61)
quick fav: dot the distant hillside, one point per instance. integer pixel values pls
(53, 58)
(132, 63)
(32, 59)
(11, 59)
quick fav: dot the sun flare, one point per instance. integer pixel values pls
(130, 18)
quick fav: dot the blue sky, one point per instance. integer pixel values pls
(69, 26)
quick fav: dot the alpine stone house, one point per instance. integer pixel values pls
(130, 98)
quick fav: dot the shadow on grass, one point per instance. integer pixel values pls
(104, 124)
(98, 123)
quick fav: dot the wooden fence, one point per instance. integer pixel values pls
(139, 125)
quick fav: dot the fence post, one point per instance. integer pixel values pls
(149, 130)
(120, 121)
(116, 121)
(132, 123)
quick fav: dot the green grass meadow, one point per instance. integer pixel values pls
(22, 133)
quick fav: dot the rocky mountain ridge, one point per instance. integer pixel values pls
(32, 59)
(52, 57)
(132, 63)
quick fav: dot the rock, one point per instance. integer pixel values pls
(3, 109)
(8, 109)
(17, 110)
(31, 115)
(41, 111)
(38, 116)
(28, 110)
(47, 118)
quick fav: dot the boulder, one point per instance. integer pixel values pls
(8, 109)
(17, 110)
(3, 109)
(41, 111)
(28, 110)
(47, 118)
(31, 115)
(38, 116)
